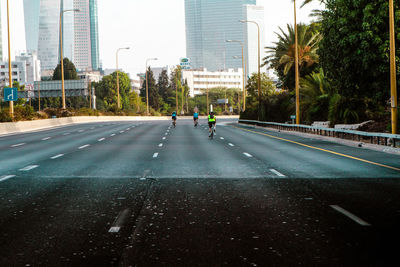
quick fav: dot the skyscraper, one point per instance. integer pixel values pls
(80, 32)
(253, 13)
(1, 40)
(208, 25)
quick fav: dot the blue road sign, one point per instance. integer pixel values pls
(10, 94)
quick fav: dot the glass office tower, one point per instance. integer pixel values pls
(32, 13)
(209, 24)
(94, 34)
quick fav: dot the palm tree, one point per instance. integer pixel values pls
(305, 2)
(282, 55)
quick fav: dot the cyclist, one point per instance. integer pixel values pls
(212, 121)
(174, 118)
(196, 118)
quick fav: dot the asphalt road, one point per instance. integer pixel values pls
(146, 194)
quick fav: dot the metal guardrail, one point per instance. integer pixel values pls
(366, 137)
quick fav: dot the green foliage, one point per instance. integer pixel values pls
(355, 54)
(155, 99)
(267, 88)
(69, 71)
(281, 56)
(5, 115)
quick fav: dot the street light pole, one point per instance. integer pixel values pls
(259, 63)
(147, 86)
(64, 106)
(297, 66)
(118, 97)
(243, 69)
(393, 85)
(9, 60)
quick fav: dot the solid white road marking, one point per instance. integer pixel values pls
(28, 168)
(17, 145)
(112, 135)
(350, 215)
(277, 173)
(114, 229)
(247, 155)
(46, 138)
(58, 156)
(155, 155)
(231, 144)
(82, 147)
(221, 138)
(3, 178)
(160, 145)
(101, 139)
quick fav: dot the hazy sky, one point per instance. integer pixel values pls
(152, 28)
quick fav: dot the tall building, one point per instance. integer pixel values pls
(80, 32)
(209, 24)
(1, 39)
(253, 13)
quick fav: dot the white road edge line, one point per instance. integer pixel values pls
(57, 156)
(277, 173)
(247, 155)
(231, 144)
(155, 155)
(17, 145)
(3, 178)
(101, 139)
(350, 215)
(28, 168)
(160, 145)
(82, 147)
(46, 138)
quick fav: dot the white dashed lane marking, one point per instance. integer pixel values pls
(101, 139)
(164, 138)
(277, 173)
(155, 155)
(66, 134)
(82, 147)
(46, 138)
(6, 177)
(121, 131)
(81, 131)
(221, 138)
(231, 144)
(28, 168)
(247, 155)
(57, 156)
(17, 145)
(350, 215)
(160, 145)
(112, 135)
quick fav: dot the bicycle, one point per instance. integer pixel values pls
(196, 123)
(211, 135)
(174, 123)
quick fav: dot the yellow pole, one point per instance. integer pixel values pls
(9, 60)
(297, 67)
(393, 85)
(62, 62)
(118, 97)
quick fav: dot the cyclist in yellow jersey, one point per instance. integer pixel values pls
(212, 120)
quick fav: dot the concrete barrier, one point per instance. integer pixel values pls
(29, 126)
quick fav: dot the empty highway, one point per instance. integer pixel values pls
(148, 194)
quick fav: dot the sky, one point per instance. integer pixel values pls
(151, 28)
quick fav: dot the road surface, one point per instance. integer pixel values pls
(146, 194)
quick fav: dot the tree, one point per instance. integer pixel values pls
(69, 71)
(355, 54)
(282, 55)
(155, 100)
(164, 88)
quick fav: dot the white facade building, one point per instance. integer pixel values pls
(18, 72)
(82, 57)
(32, 64)
(253, 13)
(199, 81)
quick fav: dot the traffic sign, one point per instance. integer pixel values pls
(185, 63)
(10, 94)
(293, 117)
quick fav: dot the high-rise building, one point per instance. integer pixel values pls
(80, 32)
(1, 40)
(253, 13)
(208, 25)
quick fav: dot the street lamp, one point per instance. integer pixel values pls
(118, 97)
(243, 69)
(147, 85)
(61, 53)
(393, 85)
(296, 51)
(259, 63)
(9, 60)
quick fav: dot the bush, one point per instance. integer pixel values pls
(24, 113)
(5, 116)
